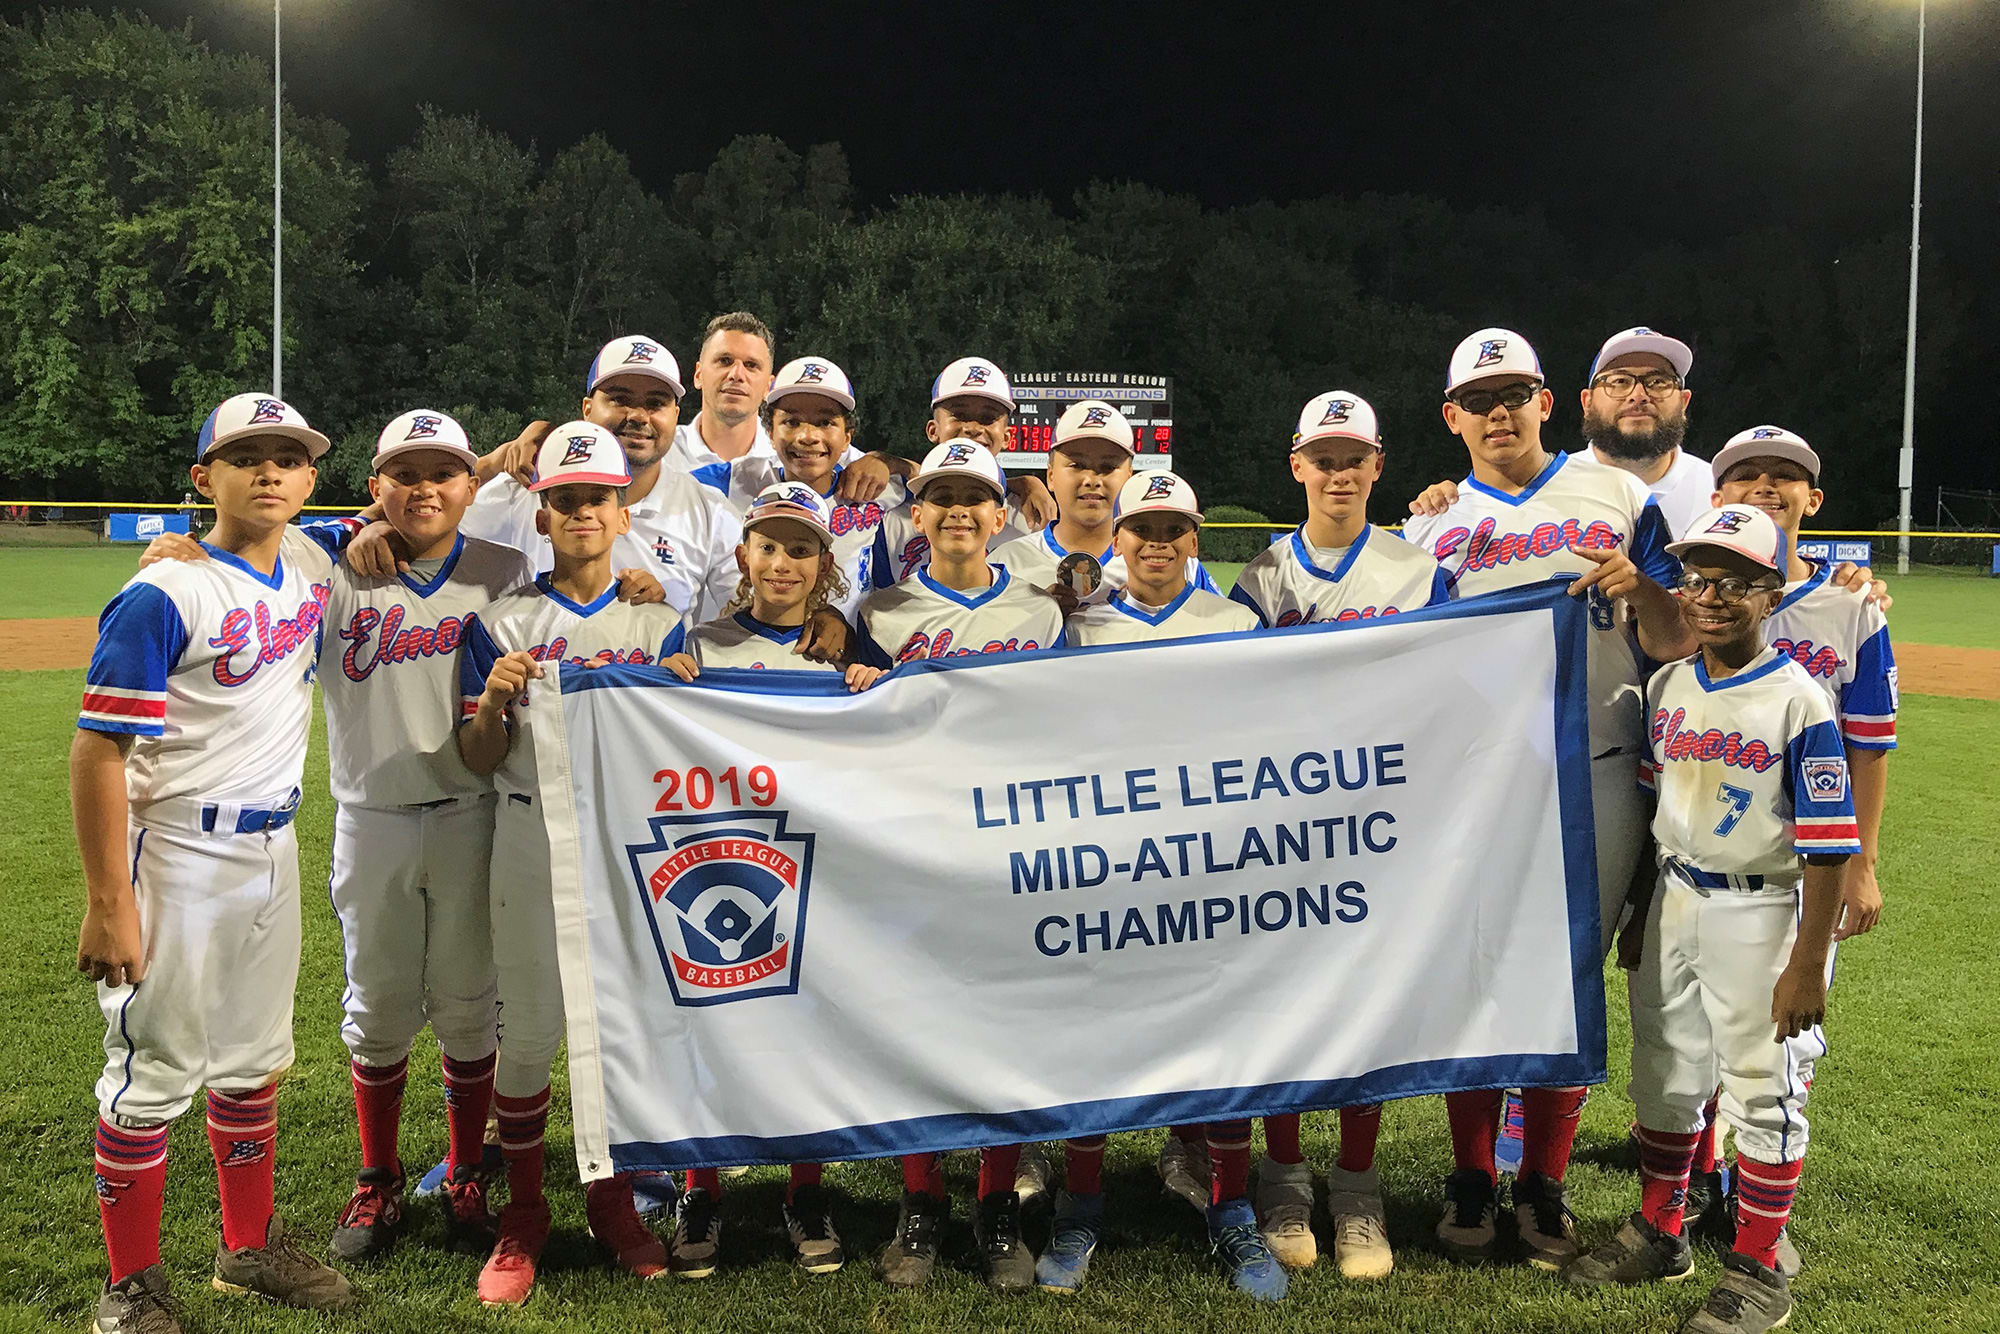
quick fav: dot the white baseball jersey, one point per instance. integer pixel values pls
(1489, 540)
(541, 622)
(1033, 559)
(1292, 582)
(389, 674)
(900, 550)
(1842, 641)
(210, 665)
(744, 641)
(921, 618)
(1683, 492)
(1122, 619)
(681, 531)
(854, 526)
(689, 451)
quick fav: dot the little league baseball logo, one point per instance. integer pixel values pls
(1337, 411)
(1826, 779)
(267, 410)
(726, 894)
(423, 427)
(1489, 351)
(576, 450)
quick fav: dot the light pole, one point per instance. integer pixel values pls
(1906, 463)
(278, 211)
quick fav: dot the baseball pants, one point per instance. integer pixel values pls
(524, 950)
(1621, 815)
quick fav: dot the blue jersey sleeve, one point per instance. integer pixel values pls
(1204, 580)
(140, 639)
(1868, 702)
(1441, 591)
(1822, 800)
(1242, 595)
(880, 573)
(865, 650)
(675, 642)
(332, 535)
(475, 664)
(1649, 547)
(715, 475)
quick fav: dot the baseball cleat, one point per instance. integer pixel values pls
(1640, 1253)
(697, 1240)
(908, 1260)
(137, 1304)
(509, 1275)
(469, 1225)
(1284, 1200)
(1079, 1222)
(490, 1168)
(1005, 1260)
(1031, 1178)
(1360, 1226)
(1788, 1263)
(1509, 1143)
(809, 1223)
(608, 1211)
(1252, 1269)
(1546, 1225)
(1747, 1299)
(1185, 1170)
(732, 1173)
(1469, 1229)
(369, 1224)
(281, 1271)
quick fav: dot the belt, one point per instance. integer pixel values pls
(1696, 878)
(250, 819)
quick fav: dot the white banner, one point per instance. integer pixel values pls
(1062, 893)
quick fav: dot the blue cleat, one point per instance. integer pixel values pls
(1079, 1220)
(1507, 1145)
(1232, 1230)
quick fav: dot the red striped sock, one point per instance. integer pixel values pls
(1475, 1120)
(1359, 1127)
(1664, 1160)
(1229, 1156)
(1191, 1134)
(468, 1095)
(923, 1174)
(243, 1135)
(997, 1165)
(523, 1122)
(1704, 1148)
(1548, 1129)
(1083, 1165)
(131, 1183)
(378, 1109)
(1763, 1205)
(803, 1174)
(1281, 1140)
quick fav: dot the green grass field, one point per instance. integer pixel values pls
(1895, 1219)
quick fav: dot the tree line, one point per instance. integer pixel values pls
(478, 274)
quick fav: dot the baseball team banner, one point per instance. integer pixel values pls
(1012, 898)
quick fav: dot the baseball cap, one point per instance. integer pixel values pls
(423, 428)
(1157, 492)
(1337, 415)
(579, 452)
(791, 500)
(1488, 354)
(1641, 339)
(1747, 531)
(1766, 442)
(973, 377)
(255, 414)
(635, 354)
(960, 458)
(1093, 419)
(813, 375)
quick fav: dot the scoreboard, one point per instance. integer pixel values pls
(1146, 400)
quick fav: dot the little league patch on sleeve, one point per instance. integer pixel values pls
(1826, 780)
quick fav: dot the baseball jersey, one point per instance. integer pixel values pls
(1123, 619)
(1033, 559)
(535, 618)
(689, 451)
(389, 675)
(1292, 582)
(744, 641)
(209, 664)
(1749, 770)
(900, 550)
(854, 526)
(921, 618)
(681, 531)
(1684, 492)
(1489, 540)
(1842, 641)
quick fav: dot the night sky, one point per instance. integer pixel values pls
(1625, 122)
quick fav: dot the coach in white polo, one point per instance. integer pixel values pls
(1635, 417)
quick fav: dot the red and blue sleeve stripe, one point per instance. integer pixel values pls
(1868, 702)
(140, 639)
(1822, 796)
(475, 664)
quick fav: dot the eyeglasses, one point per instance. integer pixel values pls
(1729, 588)
(1479, 402)
(1619, 385)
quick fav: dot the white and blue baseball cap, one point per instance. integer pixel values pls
(1743, 529)
(1337, 415)
(791, 500)
(635, 354)
(424, 428)
(1093, 419)
(1766, 442)
(973, 377)
(960, 458)
(580, 452)
(812, 375)
(1673, 351)
(1156, 492)
(1488, 354)
(245, 415)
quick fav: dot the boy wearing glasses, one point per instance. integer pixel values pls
(1755, 822)
(1523, 516)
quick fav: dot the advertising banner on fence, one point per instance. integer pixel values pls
(1027, 897)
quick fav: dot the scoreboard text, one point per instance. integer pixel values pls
(1041, 398)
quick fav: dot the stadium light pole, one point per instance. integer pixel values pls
(1906, 462)
(278, 205)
